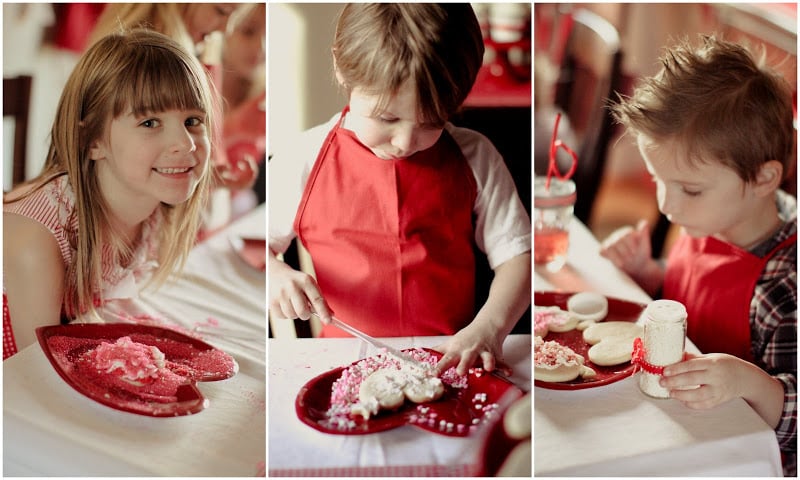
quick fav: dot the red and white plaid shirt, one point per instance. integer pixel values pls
(773, 325)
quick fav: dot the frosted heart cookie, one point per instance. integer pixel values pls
(388, 388)
(554, 362)
(612, 342)
(552, 319)
(611, 351)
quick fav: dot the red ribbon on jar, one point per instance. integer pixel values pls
(637, 359)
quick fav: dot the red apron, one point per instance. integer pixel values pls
(391, 240)
(717, 291)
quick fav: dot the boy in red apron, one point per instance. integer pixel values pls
(389, 198)
(715, 131)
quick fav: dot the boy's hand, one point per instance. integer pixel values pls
(472, 343)
(294, 294)
(629, 249)
(722, 377)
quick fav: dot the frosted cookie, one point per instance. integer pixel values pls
(595, 333)
(425, 389)
(554, 318)
(388, 388)
(383, 389)
(554, 362)
(611, 351)
(132, 362)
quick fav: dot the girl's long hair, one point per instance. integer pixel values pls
(140, 71)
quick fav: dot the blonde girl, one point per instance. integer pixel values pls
(200, 28)
(118, 202)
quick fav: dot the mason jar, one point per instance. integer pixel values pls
(664, 341)
(553, 209)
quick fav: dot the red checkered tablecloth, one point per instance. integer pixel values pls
(380, 471)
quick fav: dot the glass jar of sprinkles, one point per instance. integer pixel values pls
(663, 343)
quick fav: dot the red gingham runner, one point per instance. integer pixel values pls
(9, 344)
(379, 471)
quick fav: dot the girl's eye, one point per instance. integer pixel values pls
(692, 193)
(223, 12)
(387, 119)
(150, 123)
(193, 122)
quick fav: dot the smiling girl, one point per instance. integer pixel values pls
(118, 202)
(389, 197)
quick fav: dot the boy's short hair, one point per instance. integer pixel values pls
(439, 47)
(719, 103)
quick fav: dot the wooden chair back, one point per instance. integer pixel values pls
(16, 104)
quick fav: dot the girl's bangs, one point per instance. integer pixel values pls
(162, 83)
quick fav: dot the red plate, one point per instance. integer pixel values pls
(456, 406)
(618, 310)
(190, 357)
(252, 250)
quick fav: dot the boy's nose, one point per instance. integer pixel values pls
(403, 140)
(666, 202)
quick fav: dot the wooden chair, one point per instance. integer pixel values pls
(16, 104)
(590, 73)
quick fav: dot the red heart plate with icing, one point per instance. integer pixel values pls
(187, 359)
(456, 413)
(618, 310)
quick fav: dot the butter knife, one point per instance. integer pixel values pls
(402, 356)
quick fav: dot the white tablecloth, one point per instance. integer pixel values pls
(615, 430)
(297, 449)
(49, 429)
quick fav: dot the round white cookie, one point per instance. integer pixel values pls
(517, 420)
(611, 351)
(597, 332)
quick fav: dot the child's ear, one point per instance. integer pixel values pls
(769, 177)
(97, 150)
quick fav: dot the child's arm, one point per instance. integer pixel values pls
(629, 249)
(509, 296)
(722, 377)
(292, 293)
(33, 276)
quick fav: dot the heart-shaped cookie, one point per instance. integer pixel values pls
(612, 342)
